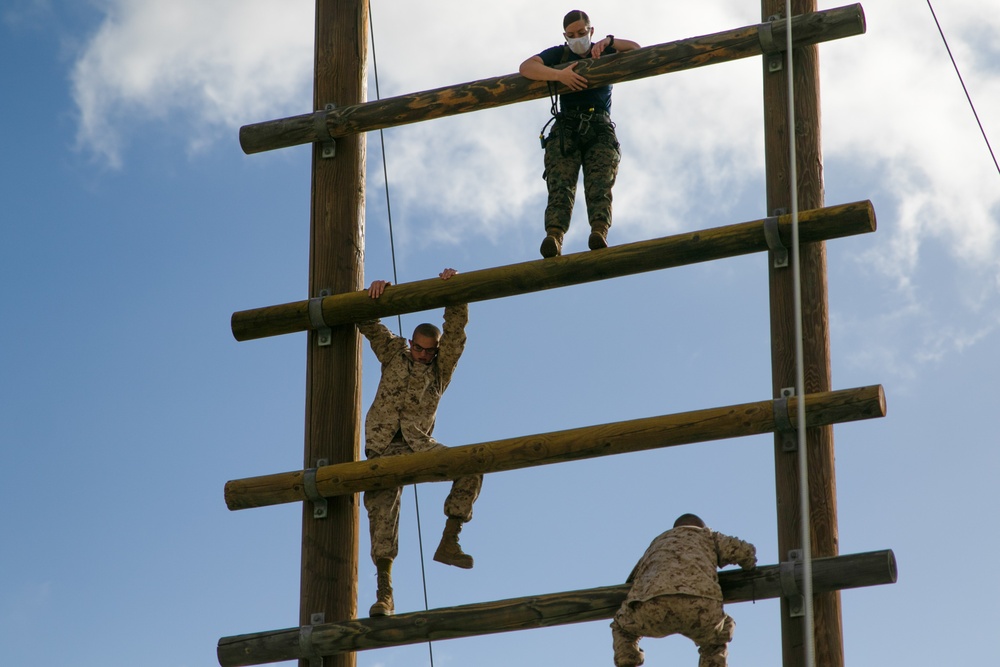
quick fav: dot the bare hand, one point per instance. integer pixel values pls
(598, 48)
(375, 291)
(569, 78)
(448, 273)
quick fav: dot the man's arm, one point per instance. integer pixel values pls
(453, 337)
(734, 551)
(619, 45)
(381, 339)
(533, 68)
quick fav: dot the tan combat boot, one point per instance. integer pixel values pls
(598, 235)
(552, 243)
(383, 598)
(449, 552)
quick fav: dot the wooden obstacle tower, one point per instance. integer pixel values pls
(329, 631)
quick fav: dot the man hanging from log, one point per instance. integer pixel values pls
(401, 420)
(582, 133)
(675, 590)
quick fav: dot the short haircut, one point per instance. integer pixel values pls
(427, 330)
(574, 16)
(689, 520)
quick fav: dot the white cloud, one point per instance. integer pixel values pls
(214, 63)
(896, 126)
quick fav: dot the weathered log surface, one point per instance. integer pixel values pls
(808, 325)
(559, 446)
(328, 579)
(829, 574)
(542, 274)
(649, 61)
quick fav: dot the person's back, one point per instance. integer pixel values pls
(675, 590)
(684, 560)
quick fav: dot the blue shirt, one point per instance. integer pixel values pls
(598, 98)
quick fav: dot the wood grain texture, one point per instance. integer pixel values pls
(815, 327)
(556, 447)
(537, 275)
(328, 582)
(764, 582)
(498, 91)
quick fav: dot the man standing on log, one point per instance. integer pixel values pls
(582, 134)
(401, 420)
(675, 590)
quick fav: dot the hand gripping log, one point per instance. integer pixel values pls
(764, 582)
(495, 283)
(745, 42)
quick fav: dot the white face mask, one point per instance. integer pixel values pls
(579, 45)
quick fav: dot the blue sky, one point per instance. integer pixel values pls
(133, 226)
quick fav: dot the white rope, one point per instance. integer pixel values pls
(803, 453)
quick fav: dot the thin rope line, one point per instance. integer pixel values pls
(399, 319)
(799, 359)
(962, 81)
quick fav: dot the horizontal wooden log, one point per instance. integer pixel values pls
(559, 446)
(649, 61)
(764, 582)
(499, 282)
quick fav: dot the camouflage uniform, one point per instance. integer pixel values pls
(578, 140)
(582, 136)
(401, 420)
(675, 590)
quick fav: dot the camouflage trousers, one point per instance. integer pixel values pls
(702, 620)
(383, 504)
(572, 145)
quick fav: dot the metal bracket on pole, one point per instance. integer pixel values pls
(323, 335)
(767, 44)
(327, 142)
(789, 588)
(305, 640)
(774, 239)
(783, 421)
(312, 493)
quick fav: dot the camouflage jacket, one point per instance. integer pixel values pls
(684, 561)
(409, 392)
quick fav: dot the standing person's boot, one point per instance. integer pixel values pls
(449, 552)
(598, 235)
(552, 243)
(383, 598)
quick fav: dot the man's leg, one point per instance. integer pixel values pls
(458, 509)
(625, 640)
(712, 630)
(383, 527)
(600, 170)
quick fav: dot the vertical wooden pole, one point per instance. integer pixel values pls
(816, 337)
(329, 579)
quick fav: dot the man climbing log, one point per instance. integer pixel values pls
(401, 420)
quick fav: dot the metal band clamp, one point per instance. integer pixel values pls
(323, 132)
(324, 337)
(769, 47)
(306, 647)
(783, 421)
(773, 239)
(312, 492)
(789, 587)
